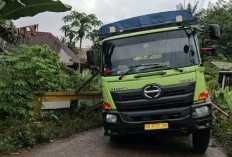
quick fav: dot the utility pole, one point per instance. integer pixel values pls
(184, 4)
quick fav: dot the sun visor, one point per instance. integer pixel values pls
(150, 20)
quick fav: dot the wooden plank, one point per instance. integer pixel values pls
(220, 110)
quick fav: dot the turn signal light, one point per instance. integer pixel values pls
(106, 106)
(204, 95)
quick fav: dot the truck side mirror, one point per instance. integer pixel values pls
(91, 58)
(214, 31)
(209, 51)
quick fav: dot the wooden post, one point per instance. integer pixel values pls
(223, 81)
(37, 106)
(80, 54)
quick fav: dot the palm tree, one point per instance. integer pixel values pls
(79, 25)
(193, 8)
(93, 36)
(96, 47)
(70, 37)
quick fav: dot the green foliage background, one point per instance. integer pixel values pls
(219, 13)
(24, 72)
(37, 69)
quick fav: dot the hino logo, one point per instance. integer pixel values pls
(152, 91)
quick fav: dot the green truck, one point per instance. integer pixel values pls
(153, 78)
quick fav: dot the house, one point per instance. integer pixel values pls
(83, 54)
(225, 77)
(30, 35)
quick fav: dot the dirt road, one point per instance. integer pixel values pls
(94, 144)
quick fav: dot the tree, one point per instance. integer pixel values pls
(7, 31)
(193, 8)
(70, 44)
(70, 37)
(79, 25)
(14, 9)
(96, 47)
(93, 36)
(221, 13)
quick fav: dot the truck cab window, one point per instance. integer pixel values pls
(165, 48)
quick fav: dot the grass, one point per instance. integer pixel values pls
(18, 134)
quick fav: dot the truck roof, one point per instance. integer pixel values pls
(147, 22)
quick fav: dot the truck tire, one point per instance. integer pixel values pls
(200, 140)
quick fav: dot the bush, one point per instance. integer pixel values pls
(78, 79)
(25, 71)
(16, 134)
(223, 133)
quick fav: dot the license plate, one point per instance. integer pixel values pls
(156, 126)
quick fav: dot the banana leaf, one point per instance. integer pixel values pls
(228, 98)
(14, 9)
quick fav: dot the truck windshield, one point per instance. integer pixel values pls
(163, 48)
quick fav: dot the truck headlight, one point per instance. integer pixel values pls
(201, 111)
(110, 118)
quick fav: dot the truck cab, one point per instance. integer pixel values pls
(153, 78)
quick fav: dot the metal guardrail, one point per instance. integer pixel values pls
(60, 96)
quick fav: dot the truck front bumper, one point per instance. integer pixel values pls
(180, 120)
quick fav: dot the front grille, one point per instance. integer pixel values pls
(156, 115)
(173, 96)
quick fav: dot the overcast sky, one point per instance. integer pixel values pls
(106, 10)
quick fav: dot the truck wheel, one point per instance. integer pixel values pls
(200, 140)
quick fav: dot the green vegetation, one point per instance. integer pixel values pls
(223, 98)
(12, 9)
(37, 69)
(195, 9)
(26, 71)
(79, 26)
(223, 133)
(219, 13)
(16, 134)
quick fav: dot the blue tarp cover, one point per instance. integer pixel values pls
(147, 21)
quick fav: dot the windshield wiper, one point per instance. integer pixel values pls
(132, 68)
(164, 67)
(153, 66)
